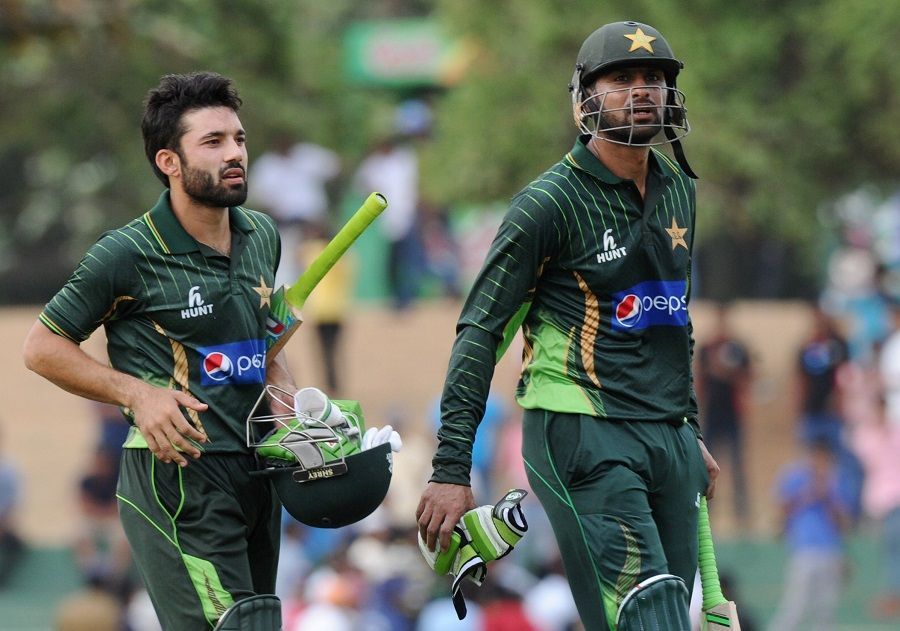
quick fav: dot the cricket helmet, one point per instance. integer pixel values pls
(315, 462)
(627, 44)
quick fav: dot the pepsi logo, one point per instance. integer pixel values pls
(650, 304)
(218, 366)
(241, 362)
(629, 310)
(273, 326)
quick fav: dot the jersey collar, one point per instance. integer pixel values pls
(582, 158)
(173, 238)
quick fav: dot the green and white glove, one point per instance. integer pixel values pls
(483, 534)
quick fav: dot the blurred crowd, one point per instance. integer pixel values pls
(845, 421)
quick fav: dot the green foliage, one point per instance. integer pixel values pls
(793, 102)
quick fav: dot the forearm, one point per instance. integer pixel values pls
(463, 402)
(693, 412)
(65, 364)
(278, 374)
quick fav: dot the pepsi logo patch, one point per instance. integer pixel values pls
(241, 362)
(651, 303)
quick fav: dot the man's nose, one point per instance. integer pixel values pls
(234, 152)
(641, 90)
(644, 91)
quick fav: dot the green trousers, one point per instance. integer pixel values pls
(622, 498)
(202, 537)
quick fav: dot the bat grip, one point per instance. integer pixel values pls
(709, 572)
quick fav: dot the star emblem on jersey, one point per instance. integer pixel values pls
(265, 293)
(677, 235)
(639, 40)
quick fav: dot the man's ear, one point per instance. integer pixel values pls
(168, 162)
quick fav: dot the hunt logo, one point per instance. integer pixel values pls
(196, 306)
(611, 249)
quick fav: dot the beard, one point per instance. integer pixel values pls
(627, 132)
(200, 186)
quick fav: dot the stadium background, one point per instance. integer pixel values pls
(795, 139)
(50, 433)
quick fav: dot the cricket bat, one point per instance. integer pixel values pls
(284, 313)
(718, 613)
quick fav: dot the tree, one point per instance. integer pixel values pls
(793, 103)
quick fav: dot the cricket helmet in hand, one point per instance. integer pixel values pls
(622, 45)
(317, 467)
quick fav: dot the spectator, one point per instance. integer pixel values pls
(11, 545)
(333, 595)
(293, 561)
(815, 513)
(101, 548)
(549, 604)
(503, 609)
(877, 443)
(113, 427)
(392, 168)
(822, 358)
(139, 612)
(889, 364)
(289, 183)
(442, 257)
(723, 380)
(440, 615)
(93, 608)
(819, 359)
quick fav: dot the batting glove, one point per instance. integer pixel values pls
(483, 534)
(375, 436)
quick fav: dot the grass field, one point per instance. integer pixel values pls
(756, 566)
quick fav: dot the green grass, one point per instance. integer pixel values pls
(43, 578)
(757, 569)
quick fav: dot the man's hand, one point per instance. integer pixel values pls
(712, 467)
(440, 509)
(157, 413)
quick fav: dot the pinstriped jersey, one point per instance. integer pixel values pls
(599, 280)
(177, 314)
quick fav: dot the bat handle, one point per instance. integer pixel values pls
(709, 572)
(366, 214)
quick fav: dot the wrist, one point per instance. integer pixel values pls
(135, 392)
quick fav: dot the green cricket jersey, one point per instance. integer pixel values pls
(178, 314)
(599, 280)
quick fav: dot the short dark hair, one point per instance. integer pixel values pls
(177, 94)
